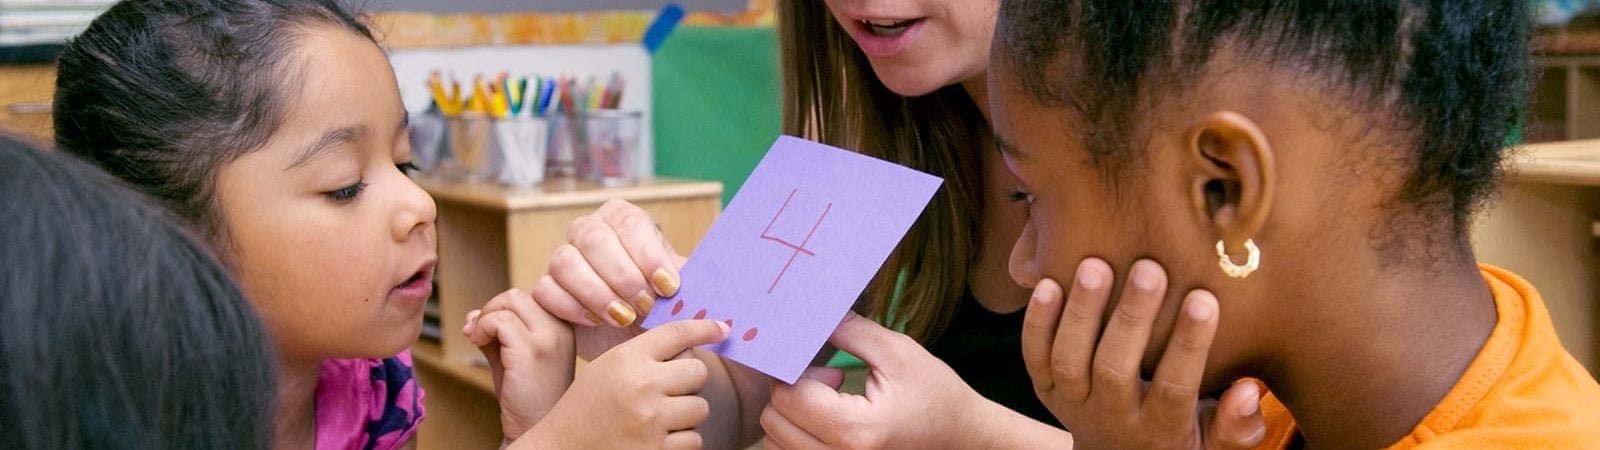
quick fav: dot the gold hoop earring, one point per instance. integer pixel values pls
(1252, 261)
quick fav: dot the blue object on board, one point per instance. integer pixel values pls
(662, 26)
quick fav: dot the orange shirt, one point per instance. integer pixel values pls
(1523, 390)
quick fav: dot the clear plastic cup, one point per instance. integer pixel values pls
(611, 140)
(471, 158)
(519, 148)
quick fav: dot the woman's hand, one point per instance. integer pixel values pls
(913, 400)
(606, 279)
(1091, 379)
(608, 275)
(530, 354)
(640, 394)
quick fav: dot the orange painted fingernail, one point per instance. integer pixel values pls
(594, 319)
(621, 313)
(644, 301)
(665, 282)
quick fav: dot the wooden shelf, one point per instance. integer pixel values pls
(1565, 102)
(1574, 163)
(25, 95)
(1541, 227)
(428, 356)
(564, 192)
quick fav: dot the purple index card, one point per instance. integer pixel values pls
(793, 251)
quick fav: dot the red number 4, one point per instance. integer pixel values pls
(798, 249)
(750, 335)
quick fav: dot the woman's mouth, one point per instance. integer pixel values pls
(885, 37)
(888, 28)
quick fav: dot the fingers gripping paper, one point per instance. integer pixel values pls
(793, 251)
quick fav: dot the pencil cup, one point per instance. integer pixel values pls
(563, 157)
(519, 147)
(470, 158)
(611, 140)
(427, 135)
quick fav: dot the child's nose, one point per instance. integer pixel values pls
(417, 212)
(1024, 263)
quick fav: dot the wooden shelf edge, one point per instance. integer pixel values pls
(1567, 60)
(428, 355)
(635, 194)
(1563, 163)
(565, 192)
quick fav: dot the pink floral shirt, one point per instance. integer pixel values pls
(367, 403)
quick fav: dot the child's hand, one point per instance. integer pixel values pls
(1090, 380)
(530, 353)
(640, 394)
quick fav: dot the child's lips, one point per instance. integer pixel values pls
(418, 287)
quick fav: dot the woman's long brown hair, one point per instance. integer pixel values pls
(831, 95)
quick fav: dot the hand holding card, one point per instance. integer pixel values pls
(793, 251)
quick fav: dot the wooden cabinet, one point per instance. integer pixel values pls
(25, 96)
(1542, 226)
(493, 238)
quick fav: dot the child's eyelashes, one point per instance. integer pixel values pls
(346, 194)
(1017, 195)
(349, 193)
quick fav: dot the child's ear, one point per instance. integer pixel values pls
(1233, 175)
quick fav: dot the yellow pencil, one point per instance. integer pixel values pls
(597, 93)
(480, 97)
(498, 106)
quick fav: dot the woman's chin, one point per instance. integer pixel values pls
(910, 80)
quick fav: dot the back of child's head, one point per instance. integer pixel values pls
(117, 330)
(1440, 80)
(161, 93)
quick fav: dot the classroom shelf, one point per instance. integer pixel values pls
(1565, 103)
(1541, 226)
(1575, 163)
(25, 95)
